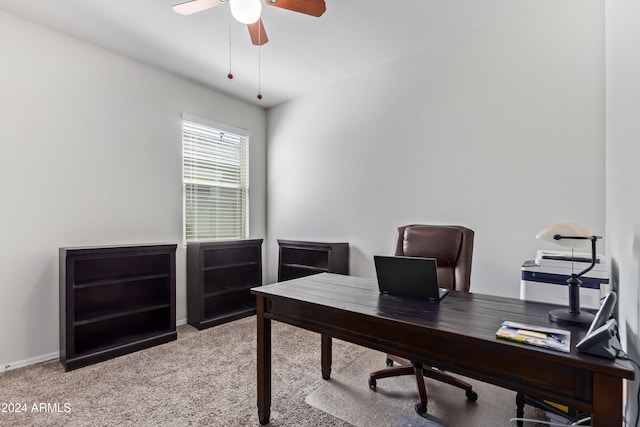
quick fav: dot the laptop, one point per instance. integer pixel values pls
(409, 277)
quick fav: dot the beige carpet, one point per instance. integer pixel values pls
(348, 397)
(205, 378)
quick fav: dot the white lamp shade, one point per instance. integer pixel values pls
(566, 230)
(246, 11)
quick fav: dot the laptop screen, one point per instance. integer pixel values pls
(408, 276)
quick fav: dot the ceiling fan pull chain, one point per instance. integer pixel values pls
(230, 75)
(259, 61)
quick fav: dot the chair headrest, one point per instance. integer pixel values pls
(442, 243)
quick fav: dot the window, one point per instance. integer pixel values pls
(215, 181)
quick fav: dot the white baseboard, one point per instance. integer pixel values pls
(50, 356)
(30, 361)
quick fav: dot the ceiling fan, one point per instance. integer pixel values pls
(248, 11)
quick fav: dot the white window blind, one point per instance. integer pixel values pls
(216, 182)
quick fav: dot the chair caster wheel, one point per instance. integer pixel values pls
(421, 409)
(389, 362)
(472, 395)
(372, 384)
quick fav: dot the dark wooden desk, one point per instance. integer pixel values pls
(458, 335)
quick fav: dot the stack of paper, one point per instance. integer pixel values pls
(555, 339)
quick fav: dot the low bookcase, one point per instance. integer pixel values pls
(220, 275)
(115, 300)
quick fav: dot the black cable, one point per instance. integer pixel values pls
(626, 357)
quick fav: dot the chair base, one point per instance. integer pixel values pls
(420, 371)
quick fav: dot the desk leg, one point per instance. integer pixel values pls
(607, 401)
(326, 356)
(264, 361)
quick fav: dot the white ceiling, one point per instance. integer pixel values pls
(303, 54)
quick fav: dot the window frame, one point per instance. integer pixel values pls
(244, 185)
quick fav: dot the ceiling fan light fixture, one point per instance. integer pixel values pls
(246, 11)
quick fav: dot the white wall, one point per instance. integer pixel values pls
(623, 172)
(91, 155)
(500, 129)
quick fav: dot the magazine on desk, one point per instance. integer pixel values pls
(539, 336)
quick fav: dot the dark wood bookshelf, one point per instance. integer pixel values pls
(220, 275)
(115, 300)
(299, 258)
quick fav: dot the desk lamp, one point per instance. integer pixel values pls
(573, 236)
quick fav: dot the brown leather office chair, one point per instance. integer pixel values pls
(452, 246)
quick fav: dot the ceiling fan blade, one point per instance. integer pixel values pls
(308, 7)
(257, 33)
(189, 7)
